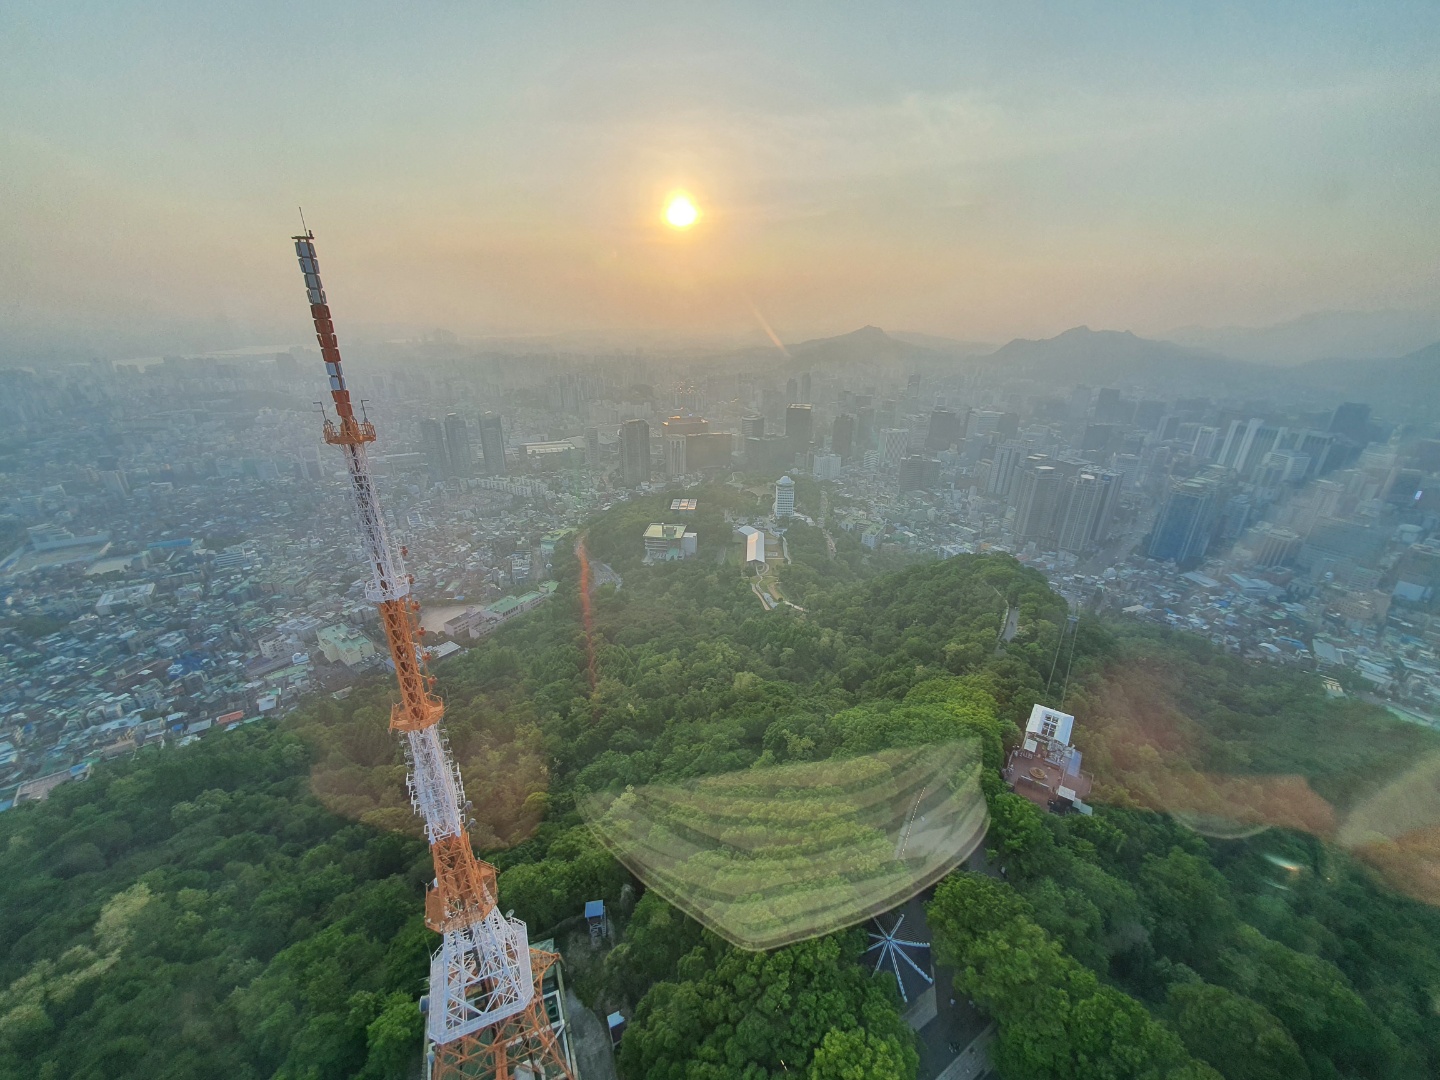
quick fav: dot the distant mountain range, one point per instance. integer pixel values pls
(1357, 335)
(1402, 387)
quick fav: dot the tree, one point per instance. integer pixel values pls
(1241, 1038)
(857, 1055)
(761, 1014)
(1189, 902)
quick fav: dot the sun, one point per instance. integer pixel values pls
(680, 212)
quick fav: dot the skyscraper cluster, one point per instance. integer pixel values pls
(446, 446)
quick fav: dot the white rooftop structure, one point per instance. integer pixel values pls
(754, 543)
(1047, 723)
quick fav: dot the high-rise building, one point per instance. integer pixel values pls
(1084, 495)
(1006, 460)
(457, 444)
(944, 430)
(1128, 466)
(492, 443)
(708, 450)
(865, 429)
(432, 445)
(1352, 420)
(798, 421)
(634, 452)
(827, 466)
(985, 421)
(1110, 409)
(805, 388)
(1247, 443)
(1038, 493)
(1103, 526)
(674, 455)
(1207, 441)
(784, 497)
(842, 435)
(894, 445)
(1186, 521)
(792, 392)
(752, 426)
(887, 412)
(918, 473)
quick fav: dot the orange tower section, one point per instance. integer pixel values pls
(487, 1015)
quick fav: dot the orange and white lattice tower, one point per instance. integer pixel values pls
(487, 1015)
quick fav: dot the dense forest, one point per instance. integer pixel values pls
(250, 906)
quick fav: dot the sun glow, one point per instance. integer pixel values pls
(680, 212)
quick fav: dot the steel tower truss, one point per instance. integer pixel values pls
(487, 1014)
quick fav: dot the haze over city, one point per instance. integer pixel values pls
(502, 171)
(719, 541)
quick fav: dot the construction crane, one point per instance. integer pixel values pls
(486, 1015)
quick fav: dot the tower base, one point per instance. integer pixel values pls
(520, 1047)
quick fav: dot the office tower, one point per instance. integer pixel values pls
(1084, 496)
(1128, 466)
(674, 455)
(792, 392)
(1323, 449)
(1109, 409)
(827, 467)
(492, 443)
(894, 445)
(912, 383)
(1103, 527)
(708, 450)
(918, 472)
(784, 497)
(842, 436)
(432, 445)
(752, 426)
(634, 452)
(1006, 460)
(984, 421)
(798, 420)
(1272, 545)
(457, 443)
(1352, 420)
(1247, 443)
(1186, 521)
(944, 430)
(805, 388)
(1037, 496)
(1207, 441)
(885, 415)
(865, 430)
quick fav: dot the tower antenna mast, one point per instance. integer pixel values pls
(487, 1015)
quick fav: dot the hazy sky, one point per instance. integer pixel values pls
(980, 170)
